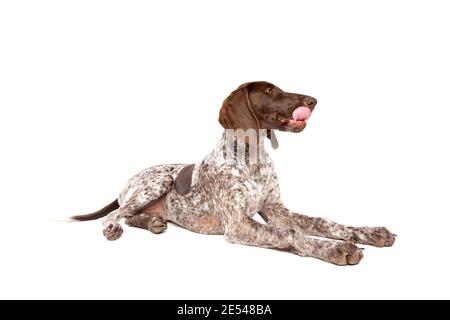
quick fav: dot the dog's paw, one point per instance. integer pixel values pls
(378, 237)
(345, 253)
(157, 225)
(112, 231)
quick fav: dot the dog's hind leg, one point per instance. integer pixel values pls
(152, 218)
(152, 223)
(142, 191)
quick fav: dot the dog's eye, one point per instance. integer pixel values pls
(269, 90)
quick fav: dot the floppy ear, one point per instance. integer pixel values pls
(236, 111)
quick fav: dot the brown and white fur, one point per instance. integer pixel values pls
(222, 193)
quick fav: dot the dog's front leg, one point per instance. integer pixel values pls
(244, 230)
(277, 214)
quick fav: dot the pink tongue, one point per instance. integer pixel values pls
(301, 114)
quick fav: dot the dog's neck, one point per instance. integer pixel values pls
(228, 152)
(244, 148)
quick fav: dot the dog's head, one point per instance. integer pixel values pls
(262, 105)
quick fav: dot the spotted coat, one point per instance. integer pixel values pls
(225, 194)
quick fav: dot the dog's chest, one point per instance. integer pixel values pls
(257, 184)
(240, 187)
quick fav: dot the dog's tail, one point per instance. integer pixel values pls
(98, 214)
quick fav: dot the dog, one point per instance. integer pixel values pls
(221, 194)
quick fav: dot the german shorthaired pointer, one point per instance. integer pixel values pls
(237, 180)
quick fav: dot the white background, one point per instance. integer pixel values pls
(91, 92)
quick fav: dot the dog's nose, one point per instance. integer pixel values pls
(310, 102)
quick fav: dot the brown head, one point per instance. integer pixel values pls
(262, 105)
